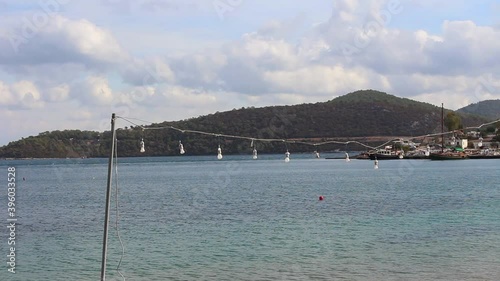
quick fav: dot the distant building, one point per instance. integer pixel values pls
(464, 143)
(473, 134)
(457, 142)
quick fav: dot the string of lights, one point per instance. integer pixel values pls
(285, 141)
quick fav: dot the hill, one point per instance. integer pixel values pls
(358, 114)
(489, 109)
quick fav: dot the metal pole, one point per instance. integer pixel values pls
(108, 193)
(442, 127)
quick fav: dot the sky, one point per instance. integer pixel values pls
(69, 64)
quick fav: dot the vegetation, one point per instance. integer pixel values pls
(453, 121)
(489, 109)
(56, 144)
(358, 114)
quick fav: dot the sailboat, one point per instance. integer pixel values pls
(449, 155)
(457, 153)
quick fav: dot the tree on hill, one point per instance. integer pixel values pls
(453, 121)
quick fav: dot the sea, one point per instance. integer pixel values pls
(199, 218)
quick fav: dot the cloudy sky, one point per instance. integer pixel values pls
(68, 64)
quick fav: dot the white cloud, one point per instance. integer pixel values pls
(58, 93)
(454, 91)
(53, 116)
(92, 62)
(465, 48)
(323, 80)
(165, 96)
(270, 53)
(423, 38)
(449, 98)
(188, 97)
(6, 97)
(22, 95)
(88, 39)
(60, 41)
(95, 90)
(147, 72)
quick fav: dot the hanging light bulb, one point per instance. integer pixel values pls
(142, 146)
(287, 156)
(480, 144)
(181, 148)
(347, 159)
(316, 154)
(254, 152)
(219, 153)
(376, 164)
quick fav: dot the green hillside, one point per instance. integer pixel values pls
(358, 114)
(489, 109)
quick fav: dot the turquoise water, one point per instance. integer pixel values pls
(196, 218)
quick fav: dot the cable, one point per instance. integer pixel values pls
(137, 120)
(451, 132)
(118, 213)
(489, 123)
(285, 140)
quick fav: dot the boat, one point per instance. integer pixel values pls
(385, 154)
(481, 156)
(449, 155)
(487, 154)
(452, 153)
(363, 156)
(417, 156)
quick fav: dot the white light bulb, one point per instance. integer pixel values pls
(347, 157)
(376, 164)
(287, 156)
(181, 148)
(219, 153)
(254, 156)
(142, 146)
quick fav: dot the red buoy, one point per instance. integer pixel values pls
(321, 197)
